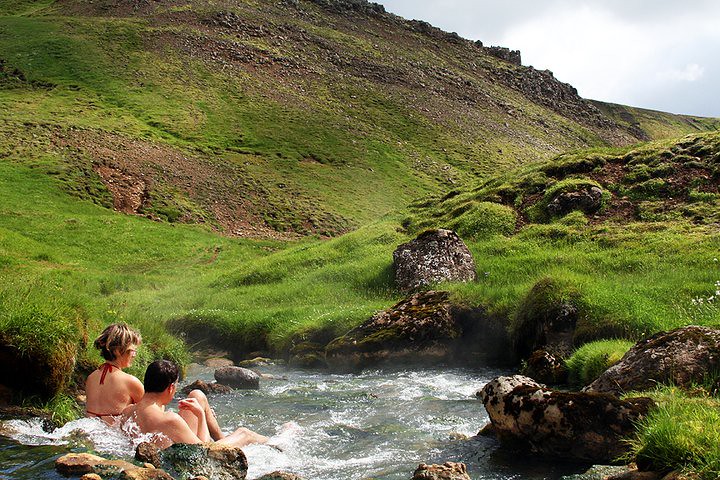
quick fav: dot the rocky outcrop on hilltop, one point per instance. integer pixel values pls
(543, 88)
(343, 6)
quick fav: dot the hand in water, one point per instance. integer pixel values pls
(193, 405)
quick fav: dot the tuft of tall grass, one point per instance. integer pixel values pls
(589, 361)
(680, 434)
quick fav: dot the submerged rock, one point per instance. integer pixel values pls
(434, 256)
(238, 377)
(572, 426)
(446, 471)
(682, 357)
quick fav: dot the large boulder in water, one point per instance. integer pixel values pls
(214, 461)
(419, 329)
(423, 329)
(681, 357)
(572, 426)
(206, 388)
(434, 256)
(237, 377)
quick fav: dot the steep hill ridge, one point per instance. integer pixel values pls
(274, 118)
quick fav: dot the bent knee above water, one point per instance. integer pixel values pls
(198, 395)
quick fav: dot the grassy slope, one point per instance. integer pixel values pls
(633, 268)
(657, 124)
(329, 121)
(315, 146)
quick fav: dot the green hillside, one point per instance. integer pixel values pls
(267, 119)
(190, 167)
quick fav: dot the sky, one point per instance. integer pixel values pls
(656, 54)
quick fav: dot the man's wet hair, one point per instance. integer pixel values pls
(159, 375)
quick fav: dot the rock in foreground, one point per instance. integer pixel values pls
(76, 464)
(571, 426)
(434, 256)
(278, 475)
(682, 357)
(216, 462)
(446, 471)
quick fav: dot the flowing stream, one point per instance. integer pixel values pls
(378, 424)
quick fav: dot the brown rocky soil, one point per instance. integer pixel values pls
(135, 171)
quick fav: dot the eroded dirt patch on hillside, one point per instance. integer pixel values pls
(151, 179)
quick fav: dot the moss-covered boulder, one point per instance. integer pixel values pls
(424, 329)
(182, 460)
(36, 372)
(485, 219)
(682, 357)
(546, 319)
(419, 329)
(307, 355)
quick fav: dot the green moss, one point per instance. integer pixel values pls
(484, 219)
(547, 300)
(653, 188)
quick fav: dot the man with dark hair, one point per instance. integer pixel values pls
(195, 422)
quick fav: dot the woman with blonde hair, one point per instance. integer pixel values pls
(108, 389)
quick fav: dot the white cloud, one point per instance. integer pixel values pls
(690, 73)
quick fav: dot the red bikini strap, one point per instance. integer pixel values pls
(106, 367)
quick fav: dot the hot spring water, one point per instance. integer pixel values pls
(378, 424)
